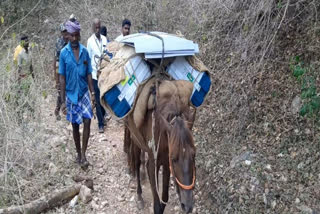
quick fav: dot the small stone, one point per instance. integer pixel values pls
(52, 169)
(104, 204)
(74, 201)
(176, 208)
(131, 199)
(297, 201)
(101, 171)
(273, 204)
(300, 165)
(268, 167)
(85, 194)
(121, 199)
(247, 162)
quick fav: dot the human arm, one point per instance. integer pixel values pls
(55, 73)
(31, 71)
(91, 88)
(62, 81)
(63, 92)
(90, 81)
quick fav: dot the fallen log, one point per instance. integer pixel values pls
(45, 202)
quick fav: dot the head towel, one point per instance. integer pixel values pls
(72, 27)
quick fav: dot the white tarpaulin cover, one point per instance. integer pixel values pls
(152, 47)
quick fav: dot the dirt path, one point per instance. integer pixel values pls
(114, 189)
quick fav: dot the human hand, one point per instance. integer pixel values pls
(63, 108)
(93, 100)
(57, 86)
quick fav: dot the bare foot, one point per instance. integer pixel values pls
(84, 163)
(78, 160)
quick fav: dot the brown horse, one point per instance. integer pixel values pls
(167, 138)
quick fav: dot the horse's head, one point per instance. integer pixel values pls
(182, 160)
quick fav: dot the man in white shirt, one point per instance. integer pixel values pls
(96, 45)
(125, 30)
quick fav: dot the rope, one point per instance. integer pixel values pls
(155, 154)
(159, 37)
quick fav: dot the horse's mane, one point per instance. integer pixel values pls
(181, 139)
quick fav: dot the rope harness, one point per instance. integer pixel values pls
(185, 187)
(151, 143)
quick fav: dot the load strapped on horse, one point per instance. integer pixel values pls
(155, 82)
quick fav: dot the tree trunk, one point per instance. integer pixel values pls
(45, 202)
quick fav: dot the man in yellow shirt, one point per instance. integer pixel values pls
(25, 76)
(18, 49)
(24, 59)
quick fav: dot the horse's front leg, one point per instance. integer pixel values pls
(143, 165)
(157, 208)
(127, 146)
(165, 185)
(140, 202)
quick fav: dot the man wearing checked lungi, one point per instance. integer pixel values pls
(75, 80)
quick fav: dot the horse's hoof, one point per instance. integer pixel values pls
(140, 204)
(84, 164)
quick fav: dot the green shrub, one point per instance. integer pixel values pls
(306, 77)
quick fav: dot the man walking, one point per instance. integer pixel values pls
(104, 32)
(75, 79)
(96, 45)
(23, 59)
(61, 42)
(125, 30)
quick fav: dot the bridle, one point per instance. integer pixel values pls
(185, 187)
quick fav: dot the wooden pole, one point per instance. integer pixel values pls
(45, 202)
